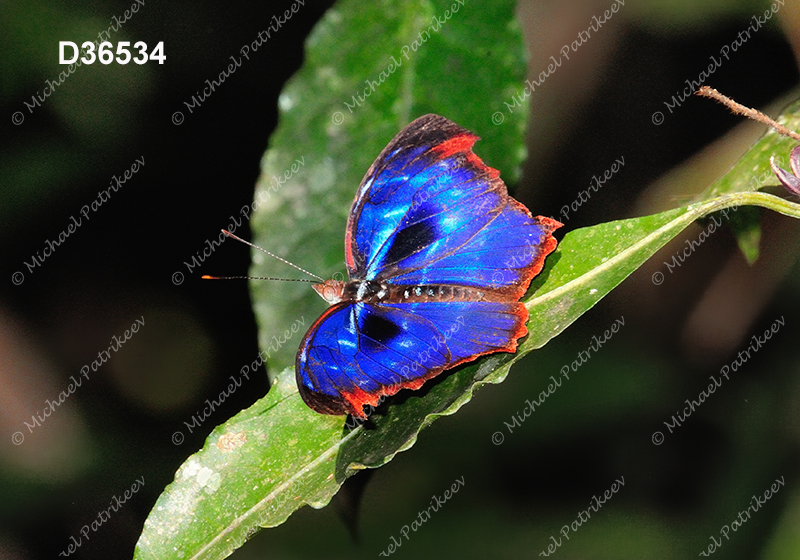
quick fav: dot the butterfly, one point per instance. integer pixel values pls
(438, 256)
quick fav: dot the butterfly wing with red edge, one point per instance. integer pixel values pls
(428, 212)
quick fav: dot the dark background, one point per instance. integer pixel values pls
(118, 426)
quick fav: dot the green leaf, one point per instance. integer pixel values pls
(747, 228)
(240, 480)
(283, 455)
(463, 68)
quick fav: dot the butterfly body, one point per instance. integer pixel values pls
(369, 291)
(438, 256)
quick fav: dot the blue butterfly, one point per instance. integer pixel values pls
(438, 256)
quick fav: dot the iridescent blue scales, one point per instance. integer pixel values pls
(438, 257)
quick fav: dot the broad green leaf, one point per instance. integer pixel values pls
(459, 59)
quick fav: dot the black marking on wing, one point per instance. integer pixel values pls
(379, 328)
(409, 240)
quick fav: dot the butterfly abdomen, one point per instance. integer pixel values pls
(441, 293)
(370, 291)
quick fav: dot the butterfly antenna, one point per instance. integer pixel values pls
(207, 277)
(229, 234)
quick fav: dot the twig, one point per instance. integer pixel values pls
(739, 109)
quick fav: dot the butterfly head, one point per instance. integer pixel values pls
(331, 291)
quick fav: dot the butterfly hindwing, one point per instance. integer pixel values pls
(357, 352)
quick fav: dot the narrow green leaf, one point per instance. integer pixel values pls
(284, 455)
